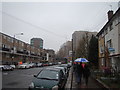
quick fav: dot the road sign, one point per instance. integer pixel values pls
(111, 49)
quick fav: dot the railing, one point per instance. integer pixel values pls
(110, 78)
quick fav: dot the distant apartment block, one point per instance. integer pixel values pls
(37, 42)
(66, 51)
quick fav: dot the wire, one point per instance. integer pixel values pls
(38, 27)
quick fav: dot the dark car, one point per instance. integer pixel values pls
(49, 78)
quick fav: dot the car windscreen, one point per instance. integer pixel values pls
(48, 74)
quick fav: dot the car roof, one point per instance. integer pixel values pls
(52, 68)
(59, 67)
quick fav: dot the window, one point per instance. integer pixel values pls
(16, 41)
(32, 47)
(111, 26)
(22, 44)
(102, 62)
(116, 21)
(32, 42)
(102, 34)
(106, 31)
(109, 43)
(8, 39)
(119, 19)
(12, 40)
(101, 49)
(48, 74)
(3, 46)
(7, 56)
(4, 36)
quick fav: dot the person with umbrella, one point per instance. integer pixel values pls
(79, 71)
(86, 73)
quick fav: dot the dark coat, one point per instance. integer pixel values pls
(86, 71)
(79, 69)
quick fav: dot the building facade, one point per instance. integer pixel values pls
(37, 42)
(65, 52)
(109, 42)
(13, 51)
(78, 35)
(50, 55)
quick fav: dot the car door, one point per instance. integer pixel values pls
(62, 79)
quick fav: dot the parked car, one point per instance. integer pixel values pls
(1, 67)
(63, 69)
(7, 68)
(48, 78)
(66, 67)
(31, 65)
(50, 64)
(69, 65)
(24, 65)
(13, 66)
(45, 64)
(39, 64)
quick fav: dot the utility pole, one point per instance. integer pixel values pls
(72, 53)
(72, 65)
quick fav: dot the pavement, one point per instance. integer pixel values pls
(71, 83)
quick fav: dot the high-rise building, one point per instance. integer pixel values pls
(65, 52)
(37, 42)
(78, 35)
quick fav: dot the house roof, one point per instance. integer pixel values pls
(100, 32)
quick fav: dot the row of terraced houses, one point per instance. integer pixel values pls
(109, 42)
(14, 51)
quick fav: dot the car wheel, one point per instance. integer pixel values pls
(2, 69)
(11, 69)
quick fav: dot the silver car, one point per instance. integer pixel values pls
(23, 66)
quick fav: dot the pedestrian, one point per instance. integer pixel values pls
(79, 71)
(74, 66)
(75, 70)
(86, 73)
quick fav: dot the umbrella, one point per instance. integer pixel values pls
(81, 60)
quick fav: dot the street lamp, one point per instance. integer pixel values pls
(18, 34)
(14, 45)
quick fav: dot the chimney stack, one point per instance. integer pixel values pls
(110, 14)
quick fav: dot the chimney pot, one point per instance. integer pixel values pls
(110, 14)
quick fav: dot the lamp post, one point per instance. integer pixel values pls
(14, 45)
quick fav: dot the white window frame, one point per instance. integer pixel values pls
(102, 61)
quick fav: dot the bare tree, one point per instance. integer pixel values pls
(107, 62)
(82, 49)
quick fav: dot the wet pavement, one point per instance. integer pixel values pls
(92, 83)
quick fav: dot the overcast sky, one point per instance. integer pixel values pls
(54, 22)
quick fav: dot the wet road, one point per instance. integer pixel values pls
(19, 78)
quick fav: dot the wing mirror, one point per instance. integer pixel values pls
(35, 75)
